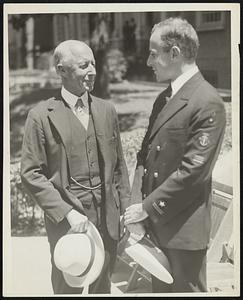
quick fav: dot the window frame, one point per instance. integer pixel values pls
(209, 26)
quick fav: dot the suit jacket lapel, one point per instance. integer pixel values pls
(174, 106)
(58, 117)
(177, 103)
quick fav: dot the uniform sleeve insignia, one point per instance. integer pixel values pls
(198, 159)
(157, 208)
(204, 139)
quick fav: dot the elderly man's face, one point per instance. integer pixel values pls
(80, 70)
(158, 60)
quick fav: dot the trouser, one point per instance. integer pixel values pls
(103, 284)
(188, 271)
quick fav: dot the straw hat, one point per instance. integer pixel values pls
(80, 256)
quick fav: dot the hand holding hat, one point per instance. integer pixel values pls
(141, 249)
(137, 232)
(135, 213)
(134, 232)
(80, 256)
(77, 221)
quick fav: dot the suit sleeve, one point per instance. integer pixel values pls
(34, 170)
(121, 173)
(202, 147)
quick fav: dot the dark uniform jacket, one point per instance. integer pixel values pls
(46, 156)
(174, 167)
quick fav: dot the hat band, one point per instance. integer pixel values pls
(91, 259)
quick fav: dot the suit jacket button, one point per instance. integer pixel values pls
(158, 148)
(149, 146)
(144, 195)
(156, 174)
(145, 171)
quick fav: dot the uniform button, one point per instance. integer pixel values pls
(149, 146)
(156, 174)
(158, 148)
(144, 195)
(161, 204)
(145, 171)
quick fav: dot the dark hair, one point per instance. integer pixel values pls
(178, 32)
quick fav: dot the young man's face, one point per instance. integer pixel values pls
(160, 61)
(80, 70)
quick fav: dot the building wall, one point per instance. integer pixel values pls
(214, 57)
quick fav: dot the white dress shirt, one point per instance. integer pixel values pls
(71, 99)
(182, 79)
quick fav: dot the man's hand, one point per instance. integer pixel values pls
(135, 213)
(136, 228)
(77, 221)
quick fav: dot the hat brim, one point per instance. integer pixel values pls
(151, 259)
(99, 258)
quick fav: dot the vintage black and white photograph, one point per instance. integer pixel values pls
(121, 150)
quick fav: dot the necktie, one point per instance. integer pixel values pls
(82, 112)
(168, 93)
(159, 103)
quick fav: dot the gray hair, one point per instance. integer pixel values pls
(64, 51)
(178, 32)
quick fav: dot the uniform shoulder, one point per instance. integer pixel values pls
(209, 94)
(206, 101)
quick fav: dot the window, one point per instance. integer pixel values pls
(210, 20)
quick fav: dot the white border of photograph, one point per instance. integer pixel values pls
(8, 267)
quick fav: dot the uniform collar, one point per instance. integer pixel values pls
(71, 99)
(182, 79)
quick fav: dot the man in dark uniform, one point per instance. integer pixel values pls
(72, 161)
(171, 193)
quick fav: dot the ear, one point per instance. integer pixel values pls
(60, 70)
(175, 52)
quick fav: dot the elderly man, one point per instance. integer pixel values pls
(171, 193)
(72, 161)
